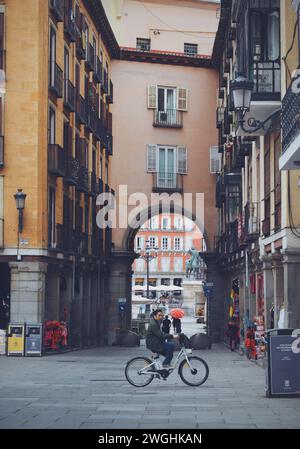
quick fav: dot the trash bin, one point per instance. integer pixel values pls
(283, 363)
(15, 339)
(34, 340)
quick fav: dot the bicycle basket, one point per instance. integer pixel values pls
(185, 341)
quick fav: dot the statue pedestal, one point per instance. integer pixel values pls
(193, 297)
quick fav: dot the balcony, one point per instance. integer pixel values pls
(167, 182)
(91, 123)
(80, 51)
(170, 118)
(56, 80)
(69, 97)
(70, 26)
(56, 160)
(72, 176)
(98, 71)
(57, 9)
(252, 222)
(104, 85)
(110, 96)
(109, 147)
(81, 110)
(90, 58)
(290, 159)
(1, 151)
(83, 184)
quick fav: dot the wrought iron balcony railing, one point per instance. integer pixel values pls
(167, 182)
(81, 110)
(98, 71)
(83, 184)
(57, 9)
(170, 118)
(72, 171)
(110, 96)
(70, 25)
(90, 58)
(56, 160)
(56, 80)
(290, 117)
(80, 50)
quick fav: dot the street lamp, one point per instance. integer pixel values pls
(148, 255)
(241, 89)
(20, 205)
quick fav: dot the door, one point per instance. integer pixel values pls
(166, 104)
(166, 168)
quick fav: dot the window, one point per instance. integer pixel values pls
(233, 202)
(167, 161)
(167, 98)
(165, 223)
(177, 223)
(139, 265)
(52, 124)
(153, 223)
(191, 49)
(165, 243)
(52, 56)
(66, 72)
(178, 265)
(265, 50)
(178, 244)
(140, 243)
(153, 265)
(143, 44)
(152, 242)
(165, 264)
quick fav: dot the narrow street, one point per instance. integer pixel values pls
(87, 389)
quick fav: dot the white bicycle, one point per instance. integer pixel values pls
(193, 371)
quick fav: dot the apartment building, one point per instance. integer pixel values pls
(257, 243)
(56, 147)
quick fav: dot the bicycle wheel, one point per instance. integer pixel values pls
(197, 375)
(136, 372)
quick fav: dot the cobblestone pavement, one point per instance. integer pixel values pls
(88, 389)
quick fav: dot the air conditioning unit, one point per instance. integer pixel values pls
(163, 117)
(215, 160)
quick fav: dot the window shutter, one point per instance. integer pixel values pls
(215, 160)
(152, 97)
(182, 99)
(151, 158)
(181, 160)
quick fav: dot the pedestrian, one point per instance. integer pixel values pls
(166, 325)
(177, 325)
(233, 334)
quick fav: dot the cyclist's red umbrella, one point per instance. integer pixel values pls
(177, 313)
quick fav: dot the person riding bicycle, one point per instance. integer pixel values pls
(158, 341)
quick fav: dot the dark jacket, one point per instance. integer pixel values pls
(155, 337)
